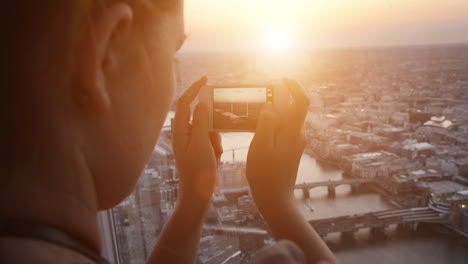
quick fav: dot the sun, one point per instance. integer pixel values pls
(278, 41)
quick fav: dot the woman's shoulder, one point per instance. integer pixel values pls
(24, 250)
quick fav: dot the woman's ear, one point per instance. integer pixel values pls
(96, 56)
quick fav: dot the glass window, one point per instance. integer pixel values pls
(386, 129)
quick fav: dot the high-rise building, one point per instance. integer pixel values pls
(232, 175)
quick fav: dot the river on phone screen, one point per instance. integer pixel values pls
(427, 244)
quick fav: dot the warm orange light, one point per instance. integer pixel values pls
(227, 24)
(278, 41)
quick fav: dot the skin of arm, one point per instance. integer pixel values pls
(179, 240)
(197, 152)
(272, 165)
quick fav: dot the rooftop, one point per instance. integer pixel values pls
(441, 187)
(443, 124)
(419, 146)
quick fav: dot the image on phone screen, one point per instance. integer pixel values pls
(238, 108)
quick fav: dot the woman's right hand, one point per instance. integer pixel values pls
(276, 150)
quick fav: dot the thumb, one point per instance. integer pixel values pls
(200, 124)
(266, 125)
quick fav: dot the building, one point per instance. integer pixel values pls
(373, 164)
(441, 193)
(247, 208)
(439, 122)
(398, 184)
(462, 165)
(169, 194)
(168, 173)
(416, 150)
(369, 140)
(459, 212)
(400, 119)
(232, 175)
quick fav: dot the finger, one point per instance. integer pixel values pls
(216, 142)
(298, 109)
(200, 124)
(191, 93)
(182, 116)
(266, 125)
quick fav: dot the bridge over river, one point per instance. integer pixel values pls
(331, 185)
(376, 221)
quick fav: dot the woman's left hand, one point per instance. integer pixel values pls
(197, 151)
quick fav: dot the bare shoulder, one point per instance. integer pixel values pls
(21, 250)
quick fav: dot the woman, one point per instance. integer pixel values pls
(86, 89)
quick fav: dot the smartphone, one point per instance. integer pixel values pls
(235, 108)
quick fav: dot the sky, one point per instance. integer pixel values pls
(278, 25)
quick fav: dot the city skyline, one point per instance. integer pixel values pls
(383, 176)
(279, 26)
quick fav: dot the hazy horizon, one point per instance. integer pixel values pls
(280, 26)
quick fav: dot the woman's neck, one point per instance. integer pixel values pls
(55, 188)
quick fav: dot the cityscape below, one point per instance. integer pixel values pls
(384, 175)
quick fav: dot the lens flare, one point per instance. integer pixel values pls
(278, 41)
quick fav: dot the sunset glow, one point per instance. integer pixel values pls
(278, 41)
(243, 24)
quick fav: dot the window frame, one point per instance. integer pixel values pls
(109, 250)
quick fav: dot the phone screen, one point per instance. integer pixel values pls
(238, 108)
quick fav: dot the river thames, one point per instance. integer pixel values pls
(428, 244)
